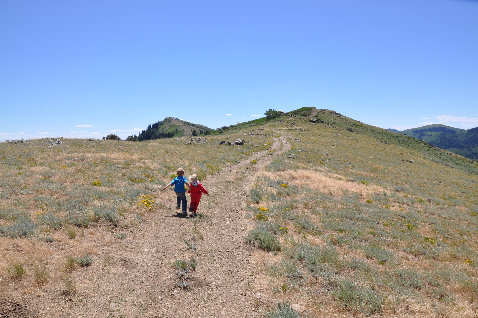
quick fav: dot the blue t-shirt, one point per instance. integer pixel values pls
(179, 183)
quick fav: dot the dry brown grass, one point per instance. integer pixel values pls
(330, 175)
(325, 182)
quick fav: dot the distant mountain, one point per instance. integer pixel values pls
(171, 127)
(460, 141)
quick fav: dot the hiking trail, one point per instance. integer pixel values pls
(135, 277)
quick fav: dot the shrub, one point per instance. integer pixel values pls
(132, 138)
(263, 239)
(70, 264)
(284, 310)
(41, 275)
(318, 261)
(255, 195)
(48, 239)
(120, 236)
(16, 271)
(183, 269)
(272, 113)
(288, 268)
(315, 260)
(70, 286)
(51, 220)
(305, 225)
(111, 137)
(84, 261)
(261, 217)
(187, 266)
(408, 279)
(71, 233)
(23, 226)
(107, 214)
(429, 251)
(358, 265)
(358, 298)
(79, 218)
(376, 252)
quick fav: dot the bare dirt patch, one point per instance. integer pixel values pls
(324, 182)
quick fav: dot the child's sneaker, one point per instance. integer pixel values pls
(193, 215)
(178, 207)
(184, 215)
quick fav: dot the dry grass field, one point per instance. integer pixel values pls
(305, 219)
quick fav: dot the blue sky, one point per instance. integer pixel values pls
(92, 67)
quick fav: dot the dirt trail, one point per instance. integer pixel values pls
(135, 277)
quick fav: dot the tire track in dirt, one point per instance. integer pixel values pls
(134, 277)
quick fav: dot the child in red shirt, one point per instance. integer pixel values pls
(196, 190)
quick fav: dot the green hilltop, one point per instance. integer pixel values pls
(341, 122)
(460, 141)
(427, 139)
(170, 127)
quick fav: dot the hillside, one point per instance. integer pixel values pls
(171, 127)
(316, 214)
(460, 141)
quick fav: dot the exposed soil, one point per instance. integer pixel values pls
(12, 309)
(135, 277)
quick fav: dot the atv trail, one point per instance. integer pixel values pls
(135, 277)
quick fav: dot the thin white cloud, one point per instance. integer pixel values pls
(256, 115)
(450, 120)
(401, 128)
(458, 119)
(426, 123)
(228, 114)
(5, 136)
(84, 126)
(22, 135)
(126, 130)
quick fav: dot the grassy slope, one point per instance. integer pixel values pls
(79, 175)
(368, 221)
(52, 197)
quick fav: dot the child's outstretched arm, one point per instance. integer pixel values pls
(168, 185)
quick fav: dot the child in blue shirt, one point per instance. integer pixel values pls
(180, 184)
